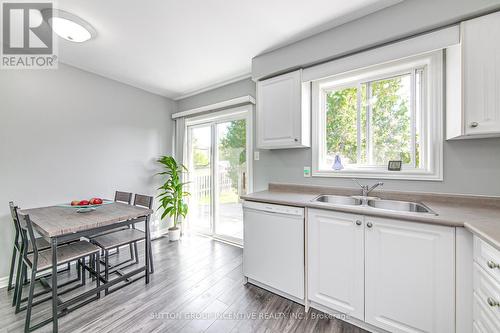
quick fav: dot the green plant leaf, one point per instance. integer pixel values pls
(172, 191)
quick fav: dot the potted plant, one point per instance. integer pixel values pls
(173, 194)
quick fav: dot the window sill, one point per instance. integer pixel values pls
(380, 174)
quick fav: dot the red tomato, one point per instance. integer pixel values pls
(84, 203)
(95, 201)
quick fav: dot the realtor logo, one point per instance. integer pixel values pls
(27, 40)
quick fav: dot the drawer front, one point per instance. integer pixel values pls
(487, 257)
(483, 320)
(487, 295)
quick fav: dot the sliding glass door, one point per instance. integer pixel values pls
(200, 177)
(218, 160)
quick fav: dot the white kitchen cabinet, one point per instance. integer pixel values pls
(409, 276)
(486, 286)
(473, 80)
(336, 261)
(283, 112)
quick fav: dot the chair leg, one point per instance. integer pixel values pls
(30, 299)
(106, 270)
(151, 268)
(136, 253)
(92, 264)
(12, 268)
(131, 251)
(84, 273)
(25, 280)
(18, 278)
(78, 269)
(97, 269)
(20, 288)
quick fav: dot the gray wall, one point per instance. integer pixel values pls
(470, 166)
(404, 19)
(224, 93)
(67, 134)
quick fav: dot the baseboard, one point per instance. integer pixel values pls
(275, 291)
(347, 318)
(4, 281)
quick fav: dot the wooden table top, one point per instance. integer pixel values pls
(56, 221)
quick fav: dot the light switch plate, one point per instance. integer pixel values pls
(307, 171)
(256, 156)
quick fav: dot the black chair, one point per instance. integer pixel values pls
(129, 236)
(41, 244)
(16, 260)
(126, 198)
(39, 261)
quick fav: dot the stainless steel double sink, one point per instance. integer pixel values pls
(376, 203)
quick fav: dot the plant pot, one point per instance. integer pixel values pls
(174, 234)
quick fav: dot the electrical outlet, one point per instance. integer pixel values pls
(256, 156)
(307, 171)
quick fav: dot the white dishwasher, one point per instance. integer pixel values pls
(273, 251)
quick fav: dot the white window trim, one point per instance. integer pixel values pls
(432, 120)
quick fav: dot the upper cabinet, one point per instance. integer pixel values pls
(283, 112)
(473, 80)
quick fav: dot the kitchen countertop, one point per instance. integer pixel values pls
(480, 215)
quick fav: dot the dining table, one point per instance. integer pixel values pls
(60, 224)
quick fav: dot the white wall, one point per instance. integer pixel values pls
(67, 134)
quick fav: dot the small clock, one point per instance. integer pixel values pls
(394, 165)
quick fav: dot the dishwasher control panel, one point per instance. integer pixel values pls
(273, 208)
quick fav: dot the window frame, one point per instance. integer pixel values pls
(431, 119)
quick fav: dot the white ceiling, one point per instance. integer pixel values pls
(176, 47)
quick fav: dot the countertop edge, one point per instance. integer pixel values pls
(474, 229)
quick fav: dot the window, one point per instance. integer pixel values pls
(365, 118)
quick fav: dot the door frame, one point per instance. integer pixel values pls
(212, 119)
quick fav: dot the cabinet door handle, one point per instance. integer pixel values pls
(474, 124)
(492, 302)
(358, 222)
(369, 225)
(491, 264)
(296, 140)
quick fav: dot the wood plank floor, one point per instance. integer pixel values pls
(198, 286)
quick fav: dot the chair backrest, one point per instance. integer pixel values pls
(27, 235)
(15, 220)
(125, 197)
(143, 201)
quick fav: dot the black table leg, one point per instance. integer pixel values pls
(148, 245)
(54, 285)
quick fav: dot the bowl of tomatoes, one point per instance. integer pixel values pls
(85, 206)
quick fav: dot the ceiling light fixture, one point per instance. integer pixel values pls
(69, 26)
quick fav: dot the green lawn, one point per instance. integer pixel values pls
(224, 197)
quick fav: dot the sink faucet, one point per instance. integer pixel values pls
(365, 189)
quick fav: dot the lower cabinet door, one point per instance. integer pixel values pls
(335, 261)
(409, 276)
